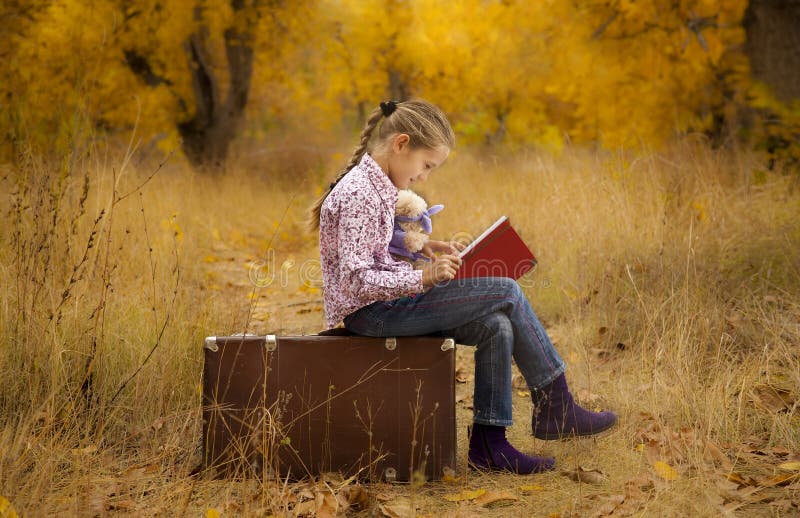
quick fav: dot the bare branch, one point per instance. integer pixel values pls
(140, 66)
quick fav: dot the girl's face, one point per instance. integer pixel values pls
(406, 166)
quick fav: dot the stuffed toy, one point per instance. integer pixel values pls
(412, 228)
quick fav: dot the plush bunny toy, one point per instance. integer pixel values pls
(412, 227)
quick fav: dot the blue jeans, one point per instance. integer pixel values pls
(491, 313)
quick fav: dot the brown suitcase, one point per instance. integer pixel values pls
(374, 408)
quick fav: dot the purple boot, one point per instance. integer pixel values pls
(557, 416)
(489, 450)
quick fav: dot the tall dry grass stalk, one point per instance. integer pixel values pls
(670, 281)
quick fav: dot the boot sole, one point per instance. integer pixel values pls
(570, 435)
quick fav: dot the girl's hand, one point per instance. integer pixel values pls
(442, 269)
(447, 247)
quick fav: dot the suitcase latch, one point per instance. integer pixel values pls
(448, 344)
(391, 343)
(271, 342)
(211, 343)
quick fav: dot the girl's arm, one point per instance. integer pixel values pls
(360, 233)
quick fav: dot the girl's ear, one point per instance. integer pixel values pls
(400, 141)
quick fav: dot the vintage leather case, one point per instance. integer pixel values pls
(376, 408)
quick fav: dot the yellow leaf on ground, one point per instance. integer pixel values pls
(664, 470)
(780, 480)
(491, 497)
(448, 478)
(212, 513)
(532, 487)
(790, 466)
(736, 478)
(464, 495)
(6, 509)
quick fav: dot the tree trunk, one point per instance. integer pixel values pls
(773, 45)
(208, 134)
(398, 90)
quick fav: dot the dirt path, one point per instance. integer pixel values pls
(277, 291)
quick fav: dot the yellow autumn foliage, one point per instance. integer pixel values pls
(619, 72)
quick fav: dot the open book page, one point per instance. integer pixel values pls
(486, 232)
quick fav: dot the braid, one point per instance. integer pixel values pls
(358, 154)
(361, 148)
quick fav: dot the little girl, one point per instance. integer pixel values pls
(376, 295)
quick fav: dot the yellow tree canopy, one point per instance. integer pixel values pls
(614, 72)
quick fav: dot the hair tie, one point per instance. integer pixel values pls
(388, 108)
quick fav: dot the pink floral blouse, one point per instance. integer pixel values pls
(355, 227)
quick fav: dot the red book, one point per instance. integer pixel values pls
(498, 252)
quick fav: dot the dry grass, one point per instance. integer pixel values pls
(669, 281)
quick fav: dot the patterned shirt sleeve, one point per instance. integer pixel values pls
(361, 239)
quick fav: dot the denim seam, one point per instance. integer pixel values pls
(532, 331)
(492, 419)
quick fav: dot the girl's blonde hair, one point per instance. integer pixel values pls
(425, 124)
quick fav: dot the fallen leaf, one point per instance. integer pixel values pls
(307, 508)
(449, 476)
(780, 480)
(716, 456)
(212, 513)
(326, 505)
(665, 471)
(641, 482)
(610, 505)
(400, 507)
(773, 399)
(491, 497)
(529, 488)
(591, 476)
(790, 466)
(740, 480)
(6, 509)
(356, 496)
(780, 451)
(464, 495)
